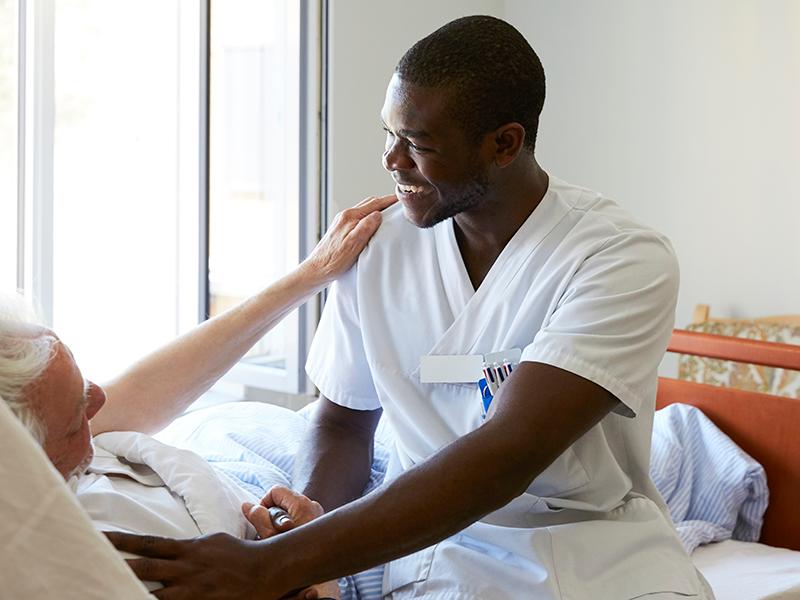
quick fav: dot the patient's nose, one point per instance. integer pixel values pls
(96, 397)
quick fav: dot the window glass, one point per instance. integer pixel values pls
(8, 146)
(125, 268)
(254, 108)
(115, 193)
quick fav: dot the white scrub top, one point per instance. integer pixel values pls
(581, 286)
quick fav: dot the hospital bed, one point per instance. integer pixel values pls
(751, 438)
(719, 375)
(255, 443)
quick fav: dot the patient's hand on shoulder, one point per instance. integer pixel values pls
(281, 510)
(344, 240)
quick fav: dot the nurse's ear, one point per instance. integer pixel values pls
(507, 140)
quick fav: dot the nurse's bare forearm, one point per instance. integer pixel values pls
(424, 505)
(420, 507)
(334, 462)
(540, 412)
(467, 479)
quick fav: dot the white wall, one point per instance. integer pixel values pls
(367, 39)
(688, 113)
(685, 111)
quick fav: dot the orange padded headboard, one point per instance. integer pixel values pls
(766, 427)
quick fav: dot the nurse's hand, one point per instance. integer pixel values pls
(345, 239)
(216, 566)
(213, 566)
(281, 510)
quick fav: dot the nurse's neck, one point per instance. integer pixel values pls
(483, 232)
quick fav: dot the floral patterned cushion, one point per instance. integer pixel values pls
(755, 378)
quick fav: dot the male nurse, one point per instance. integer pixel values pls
(549, 495)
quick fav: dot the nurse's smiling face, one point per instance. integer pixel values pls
(439, 174)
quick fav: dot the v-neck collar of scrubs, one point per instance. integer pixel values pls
(475, 306)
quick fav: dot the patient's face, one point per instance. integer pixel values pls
(66, 402)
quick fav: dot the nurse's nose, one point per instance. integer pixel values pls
(396, 157)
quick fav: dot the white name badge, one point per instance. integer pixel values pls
(450, 369)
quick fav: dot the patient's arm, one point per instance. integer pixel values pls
(156, 389)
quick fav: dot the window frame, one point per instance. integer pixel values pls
(35, 168)
(301, 323)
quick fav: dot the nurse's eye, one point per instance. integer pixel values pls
(389, 138)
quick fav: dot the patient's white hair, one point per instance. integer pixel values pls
(25, 351)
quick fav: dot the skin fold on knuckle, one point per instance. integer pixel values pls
(145, 568)
(263, 525)
(143, 545)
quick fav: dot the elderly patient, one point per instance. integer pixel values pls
(128, 481)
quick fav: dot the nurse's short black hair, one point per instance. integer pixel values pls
(488, 69)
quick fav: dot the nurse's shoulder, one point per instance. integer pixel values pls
(397, 236)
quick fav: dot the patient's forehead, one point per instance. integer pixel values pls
(61, 380)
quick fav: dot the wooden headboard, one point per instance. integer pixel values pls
(766, 427)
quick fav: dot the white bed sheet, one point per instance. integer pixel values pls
(749, 571)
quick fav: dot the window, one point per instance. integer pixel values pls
(119, 202)
(149, 198)
(8, 150)
(255, 175)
